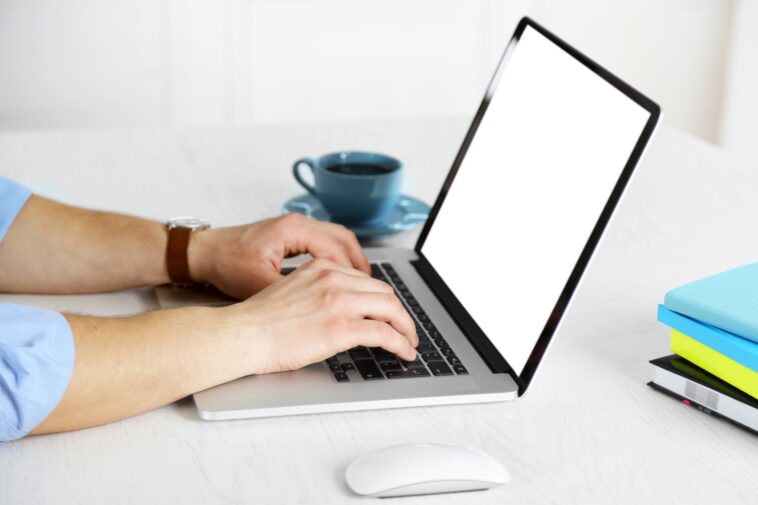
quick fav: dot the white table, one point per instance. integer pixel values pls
(588, 431)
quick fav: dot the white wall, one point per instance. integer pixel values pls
(739, 121)
(103, 63)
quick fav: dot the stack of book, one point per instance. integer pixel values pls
(714, 337)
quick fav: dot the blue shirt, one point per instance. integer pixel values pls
(36, 347)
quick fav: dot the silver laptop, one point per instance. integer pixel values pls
(535, 182)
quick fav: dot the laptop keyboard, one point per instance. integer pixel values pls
(434, 356)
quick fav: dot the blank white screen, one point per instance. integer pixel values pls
(545, 158)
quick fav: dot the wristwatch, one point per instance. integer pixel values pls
(180, 230)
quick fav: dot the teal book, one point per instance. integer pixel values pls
(738, 349)
(728, 301)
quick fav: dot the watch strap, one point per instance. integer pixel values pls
(177, 261)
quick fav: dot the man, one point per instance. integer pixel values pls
(63, 371)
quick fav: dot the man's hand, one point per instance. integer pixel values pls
(319, 310)
(242, 260)
(128, 365)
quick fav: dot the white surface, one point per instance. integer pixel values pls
(109, 63)
(588, 431)
(424, 469)
(545, 159)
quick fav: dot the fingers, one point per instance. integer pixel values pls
(384, 307)
(331, 241)
(371, 333)
(342, 278)
(358, 297)
(354, 249)
(363, 296)
(320, 264)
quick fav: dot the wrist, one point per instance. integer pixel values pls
(250, 351)
(200, 256)
(181, 231)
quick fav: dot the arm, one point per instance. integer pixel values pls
(125, 366)
(56, 248)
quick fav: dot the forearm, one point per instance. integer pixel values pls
(126, 366)
(56, 248)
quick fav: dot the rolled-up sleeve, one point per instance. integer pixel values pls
(13, 196)
(36, 347)
(36, 360)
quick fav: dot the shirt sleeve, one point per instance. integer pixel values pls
(13, 196)
(36, 361)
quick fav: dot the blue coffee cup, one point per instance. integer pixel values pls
(354, 187)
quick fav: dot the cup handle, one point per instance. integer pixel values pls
(299, 178)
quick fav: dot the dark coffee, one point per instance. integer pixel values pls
(359, 169)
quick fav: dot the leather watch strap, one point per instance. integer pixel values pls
(177, 262)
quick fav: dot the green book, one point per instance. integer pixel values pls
(726, 369)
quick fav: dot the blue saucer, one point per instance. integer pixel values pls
(408, 213)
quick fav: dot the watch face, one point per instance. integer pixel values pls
(188, 222)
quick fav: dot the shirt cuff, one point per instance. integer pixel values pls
(36, 362)
(13, 196)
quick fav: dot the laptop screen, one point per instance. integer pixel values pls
(549, 149)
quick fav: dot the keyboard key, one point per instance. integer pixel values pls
(407, 374)
(383, 355)
(439, 368)
(341, 377)
(368, 369)
(429, 326)
(416, 308)
(424, 348)
(333, 361)
(423, 318)
(386, 358)
(347, 367)
(447, 351)
(391, 366)
(335, 368)
(431, 356)
(388, 267)
(460, 369)
(360, 353)
(453, 360)
(413, 364)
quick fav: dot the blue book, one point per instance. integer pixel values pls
(728, 300)
(741, 350)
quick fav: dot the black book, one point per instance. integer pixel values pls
(693, 386)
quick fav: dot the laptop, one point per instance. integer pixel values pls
(534, 184)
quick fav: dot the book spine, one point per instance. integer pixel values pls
(743, 351)
(714, 362)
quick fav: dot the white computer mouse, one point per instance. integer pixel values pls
(415, 469)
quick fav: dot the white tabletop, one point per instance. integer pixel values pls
(588, 431)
